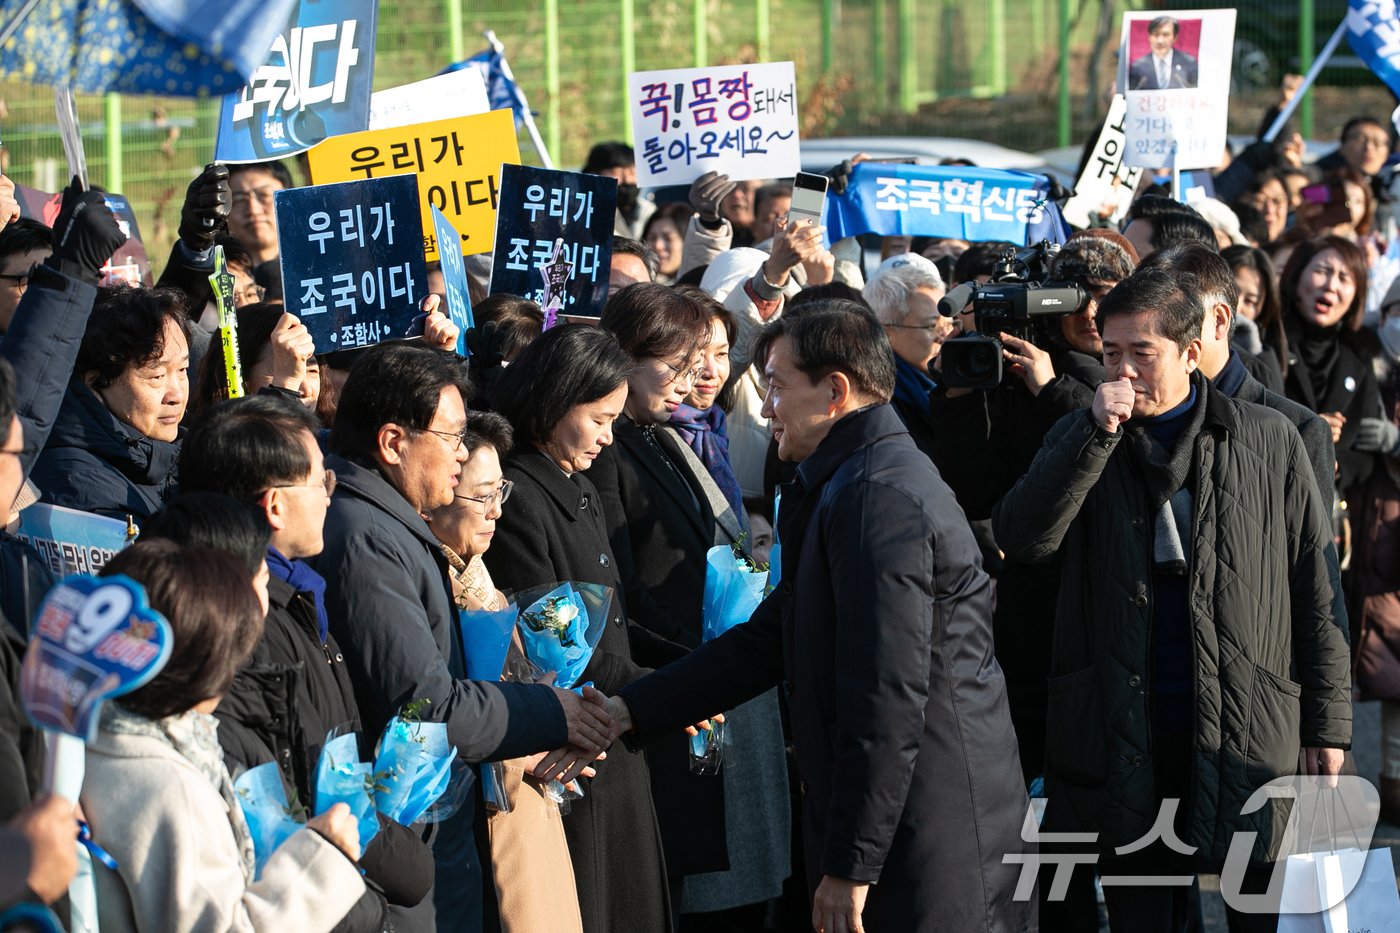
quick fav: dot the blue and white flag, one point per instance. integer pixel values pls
(945, 201)
(500, 82)
(1373, 29)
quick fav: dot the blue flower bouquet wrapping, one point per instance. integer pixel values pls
(486, 642)
(413, 771)
(734, 586)
(561, 624)
(263, 801)
(342, 778)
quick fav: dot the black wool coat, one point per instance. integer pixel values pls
(553, 530)
(880, 634)
(1351, 390)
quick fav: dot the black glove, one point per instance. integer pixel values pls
(840, 176)
(206, 207)
(85, 235)
(1058, 192)
(1259, 156)
(1376, 435)
(708, 192)
(485, 344)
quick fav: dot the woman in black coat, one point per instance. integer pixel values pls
(1323, 289)
(562, 396)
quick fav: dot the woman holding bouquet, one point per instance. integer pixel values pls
(667, 506)
(531, 835)
(561, 396)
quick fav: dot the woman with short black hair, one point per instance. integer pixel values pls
(114, 446)
(562, 395)
(159, 797)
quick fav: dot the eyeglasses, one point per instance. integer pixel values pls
(262, 195)
(327, 483)
(249, 295)
(457, 438)
(21, 280)
(490, 501)
(934, 326)
(683, 375)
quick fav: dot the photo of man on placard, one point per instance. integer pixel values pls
(1165, 67)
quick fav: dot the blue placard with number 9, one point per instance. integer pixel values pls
(93, 639)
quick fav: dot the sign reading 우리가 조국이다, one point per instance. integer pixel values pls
(314, 83)
(352, 260)
(457, 161)
(1176, 79)
(740, 120)
(554, 240)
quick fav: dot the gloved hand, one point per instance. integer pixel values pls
(1058, 192)
(206, 208)
(85, 234)
(708, 192)
(487, 362)
(840, 176)
(1259, 156)
(1376, 435)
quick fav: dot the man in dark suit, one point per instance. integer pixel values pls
(1164, 67)
(880, 634)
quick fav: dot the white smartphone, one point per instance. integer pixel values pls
(808, 198)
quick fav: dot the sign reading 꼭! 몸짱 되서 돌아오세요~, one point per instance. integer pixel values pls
(1176, 79)
(352, 260)
(315, 83)
(458, 164)
(71, 541)
(554, 240)
(740, 120)
(454, 279)
(1106, 184)
(958, 201)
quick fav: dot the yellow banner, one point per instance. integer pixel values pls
(458, 164)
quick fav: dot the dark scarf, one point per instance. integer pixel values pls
(302, 579)
(912, 386)
(706, 434)
(1319, 348)
(1164, 448)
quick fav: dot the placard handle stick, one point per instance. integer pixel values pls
(1318, 64)
(221, 280)
(1176, 173)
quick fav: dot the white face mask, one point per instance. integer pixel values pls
(1390, 337)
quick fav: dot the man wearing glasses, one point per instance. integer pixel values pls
(253, 217)
(23, 245)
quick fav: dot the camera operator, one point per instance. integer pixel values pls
(985, 441)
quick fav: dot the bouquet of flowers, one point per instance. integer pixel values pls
(413, 769)
(271, 819)
(486, 642)
(342, 778)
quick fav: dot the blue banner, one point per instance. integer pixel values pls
(500, 82)
(352, 259)
(314, 83)
(1373, 29)
(71, 541)
(945, 201)
(454, 276)
(554, 239)
(92, 639)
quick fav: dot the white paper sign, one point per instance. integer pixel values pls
(1175, 73)
(1106, 184)
(740, 120)
(457, 94)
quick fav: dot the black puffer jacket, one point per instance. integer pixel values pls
(1271, 667)
(95, 463)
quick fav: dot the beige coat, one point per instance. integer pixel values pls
(178, 866)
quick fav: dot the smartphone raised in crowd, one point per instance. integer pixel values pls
(808, 198)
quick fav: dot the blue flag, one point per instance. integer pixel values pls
(1373, 29)
(945, 201)
(500, 81)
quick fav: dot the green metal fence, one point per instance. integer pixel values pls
(1025, 73)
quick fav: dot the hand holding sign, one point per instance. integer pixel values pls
(292, 346)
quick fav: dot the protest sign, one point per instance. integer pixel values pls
(93, 639)
(455, 94)
(945, 201)
(554, 240)
(1105, 187)
(71, 541)
(458, 163)
(315, 83)
(740, 120)
(454, 278)
(1175, 72)
(352, 260)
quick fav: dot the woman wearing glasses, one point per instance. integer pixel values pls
(561, 397)
(532, 833)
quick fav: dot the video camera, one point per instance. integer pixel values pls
(1017, 297)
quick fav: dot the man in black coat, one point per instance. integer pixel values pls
(399, 447)
(879, 633)
(1196, 653)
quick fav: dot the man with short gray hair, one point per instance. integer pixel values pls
(904, 292)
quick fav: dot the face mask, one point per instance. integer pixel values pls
(626, 197)
(1390, 337)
